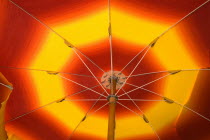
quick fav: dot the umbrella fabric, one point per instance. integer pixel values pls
(43, 69)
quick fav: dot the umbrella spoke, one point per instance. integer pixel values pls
(81, 85)
(132, 101)
(86, 115)
(110, 37)
(184, 106)
(148, 83)
(129, 109)
(143, 89)
(168, 71)
(81, 91)
(133, 58)
(56, 72)
(56, 101)
(142, 113)
(141, 100)
(134, 69)
(170, 101)
(142, 116)
(89, 59)
(86, 100)
(90, 71)
(155, 132)
(189, 14)
(25, 114)
(37, 19)
(7, 86)
(99, 108)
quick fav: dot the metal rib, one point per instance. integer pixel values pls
(205, 69)
(83, 119)
(81, 85)
(46, 71)
(91, 72)
(134, 69)
(179, 104)
(86, 100)
(145, 84)
(7, 86)
(141, 100)
(129, 109)
(184, 18)
(47, 105)
(134, 58)
(89, 59)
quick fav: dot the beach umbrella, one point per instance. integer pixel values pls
(124, 70)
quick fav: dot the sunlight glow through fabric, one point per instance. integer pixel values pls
(72, 66)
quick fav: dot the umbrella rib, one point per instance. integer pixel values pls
(154, 131)
(110, 36)
(58, 101)
(141, 100)
(90, 71)
(192, 111)
(141, 117)
(133, 69)
(133, 58)
(176, 103)
(99, 108)
(129, 109)
(65, 40)
(86, 100)
(84, 118)
(81, 85)
(7, 86)
(146, 84)
(184, 18)
(37, 19)
(205, 69)
(144, 89)
(80, 91)
(132, 101)
(30, 112)
(142, 113)
(89, 59)
(46, 71)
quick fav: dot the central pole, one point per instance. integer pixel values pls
(112, 105)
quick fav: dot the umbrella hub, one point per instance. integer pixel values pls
(107, 76)
(112, 96)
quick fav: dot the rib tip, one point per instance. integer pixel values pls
(174, 71)
(9, 87)
(68, 43)
(52, 72)
(167, 100)
(145, 119)
(84, 119)
(60, 100)
(152, 44)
